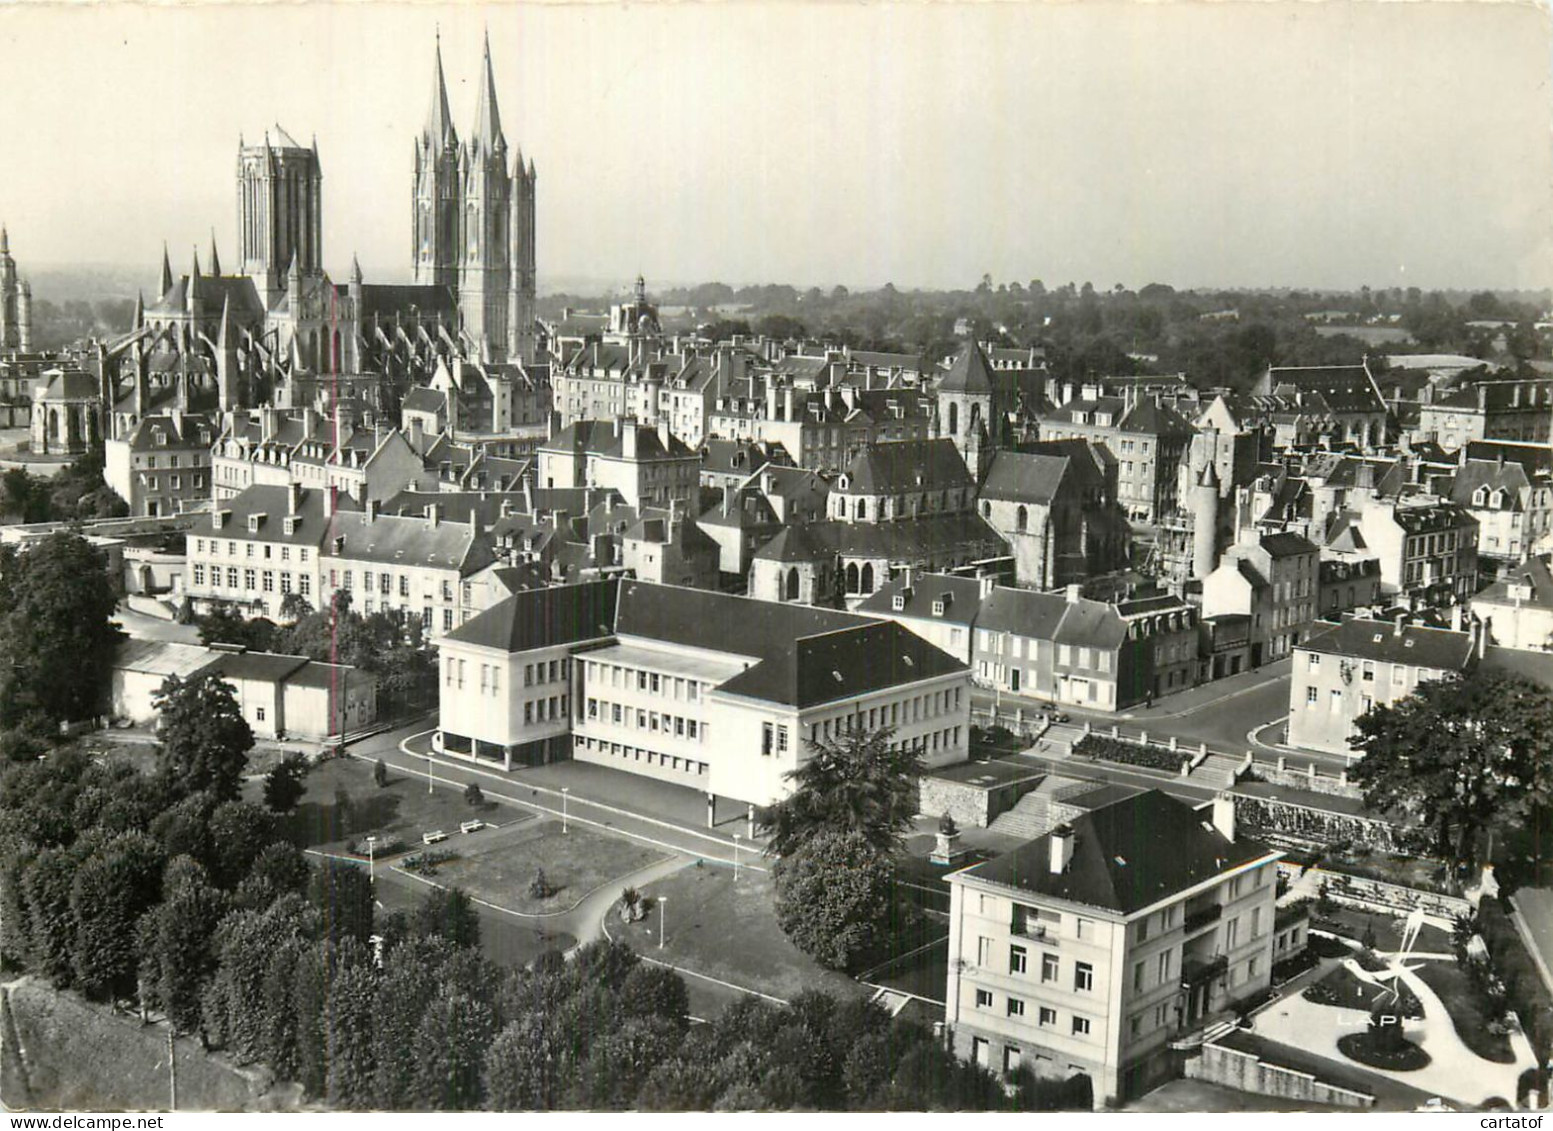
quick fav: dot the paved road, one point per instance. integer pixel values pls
(143, 627)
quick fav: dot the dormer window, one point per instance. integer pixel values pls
(1480, 497)
(898, 602)
(1496, 500)
(291, 523)
(253, 523)
(938, 607)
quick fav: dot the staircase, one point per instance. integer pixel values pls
(1216, 771)
(1030, 817)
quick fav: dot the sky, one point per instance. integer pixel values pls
(1326, 144)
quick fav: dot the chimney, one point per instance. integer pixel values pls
(1482, 396)
(557, 517)
(988, 583)
(528, 495)
(787, 403)
(506, 508)
(1062, 838)
(665, 437)
(474, 522)
(434, 514)
(1455, 618)
(906, 581)
(329, 501)
(1224, 816)
(771, 397)
(1399, 622)
(600, 550)
(418, 435)
(294, 499)
(628, 439)
(374, 508)
(1075, 593)
(1480, 632)
(729, 492)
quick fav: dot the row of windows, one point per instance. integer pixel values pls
(252, 580)
(1046, 1017)
(676, 687)
(344, 579)
(174, 482)
(652, 757)
(248, 551)
(624, 715)
(547, 710)
(1051, 965)
(1030, 648)
(902, 712)
(547, 671)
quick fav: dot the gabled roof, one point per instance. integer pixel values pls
(1342, 388)
(748, 509)
(388, 299)
(70, 385)
(271, 506)
(1287, 545)
(697, 618)
(185, 430)
(391, 539)
(907, 465)
(261, 667)
(1508, 477)
(1126, 856)
(1381, 640)
(1532, 574)
(422, 399)
(543, 618)
(1025, 478)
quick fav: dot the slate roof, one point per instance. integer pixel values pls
(1535, 666)
(386, 300)
(422, 399)
(1379, 640)
(1051, 616)
(1509, 477)
(838, 665)
(188, 430)
(750, 510)
(905, 540)
(598, 437)
(896, 466)
(274, 504)
(543, 618)
(961, 597)
(970, 373)
(1533, 457)
(1287, 545)
(721, 622)
(391, 539)
(1127, 855)
(1025, 477)
(1342, 388)
(70, 385)
(1533, 572)
(260, 667)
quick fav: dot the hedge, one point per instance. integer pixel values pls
(1130, 753)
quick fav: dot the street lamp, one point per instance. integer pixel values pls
(430, 776)
(372, 858)
(663, 918)
(735, 857)
(565, 790)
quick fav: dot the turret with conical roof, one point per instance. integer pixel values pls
(215, 259)
(1205, 521)
(166, 283)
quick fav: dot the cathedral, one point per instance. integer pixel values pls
(15, 302)
(279, 317)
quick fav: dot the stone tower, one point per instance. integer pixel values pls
(15, 301)
(485, 263)
(436, 215)
(968, 409)
(1205, 522)
(520, 308)
(279, 211)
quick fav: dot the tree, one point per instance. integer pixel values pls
(225, 625)
(447, 913)
(56, 632)
(451, 1041)
(858, 782)
(343, 895)
(655, 991)
(835, 898)
(278, 870)
(239, 832)
(176, 952)
(203, 736)
(112, 889)
(1461, 756)
(236, 1003)
(286, 782)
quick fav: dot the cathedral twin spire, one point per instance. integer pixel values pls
(439, 132)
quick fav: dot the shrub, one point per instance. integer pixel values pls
(1130, 753)
(425, 863)
(380, 773)
(472, 794)
(539, 887)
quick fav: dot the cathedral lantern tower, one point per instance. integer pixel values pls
(434, 237)
(279, 211)
(485, 265)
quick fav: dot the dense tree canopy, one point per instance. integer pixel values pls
(56, 632)
(859, 782)
(204, 739)
(835, 898)
(1463, 756)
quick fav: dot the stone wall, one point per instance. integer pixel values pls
(1246, 1072)
(1379, 895)
(972, 806)
(1286, 775)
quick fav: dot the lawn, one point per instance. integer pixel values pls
(575, 863)
(729, 931)
(1462, 1003)
(924, 974)
(400, 809)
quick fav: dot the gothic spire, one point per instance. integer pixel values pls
(439, 131)
(5, 241)
(215, 260)
(225, 337)
(140, 311)
(487, 117)
(355, 268)
(167, 270)
(194, 271)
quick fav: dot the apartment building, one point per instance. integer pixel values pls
(161, 465)
(1091, 949)
(648, 466)
(1343, 671)
(1149, 440)
(1274, 580)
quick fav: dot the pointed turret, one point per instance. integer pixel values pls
(355, 269)
(226, 336)
(439, 131)
(531, 168)
(194, 279)
(5, 241)
(215, 260)
(167, 271)
(228, 379)
(487, 117)
(194, 271)
(295, 270)
(140, 311)
(1205, 521)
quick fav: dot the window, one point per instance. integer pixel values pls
(1083, 976)
(1046, 1016)
(1016, 960)
(1081, 1026)
(249, 579)
(1135, 1025)
(1016, 1008)
(1335, 704)
(1163, 966)
(1231, 934)
(1084, 928)
(258, 713)
(1310, 696)
(1137, 976)
(983, 999)
(1050, 967)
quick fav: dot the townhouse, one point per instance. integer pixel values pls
(1149, 440)
(1272, 579)
(648, 466)
(162, 464)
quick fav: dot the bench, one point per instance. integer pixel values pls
(433, 837)
(471, 826)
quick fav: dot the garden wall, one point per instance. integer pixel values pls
(1363, 891)
(1307, 779)
(972, 805)
(1319, 827)
(1248, 1073)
